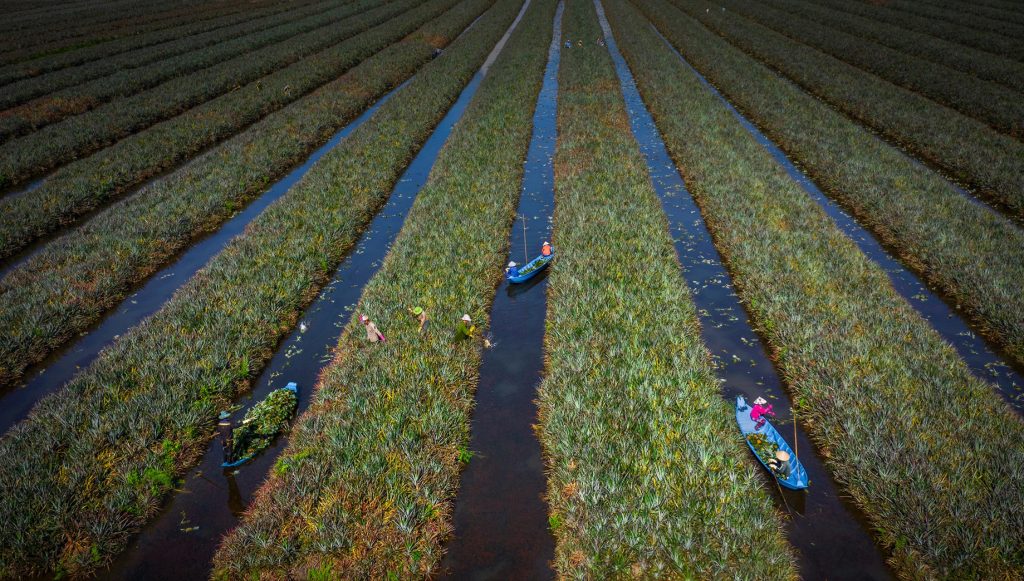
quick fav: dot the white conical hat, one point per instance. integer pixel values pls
(466, 317)
(760, 401)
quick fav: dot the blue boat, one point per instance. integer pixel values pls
(530, 269)
(266, 439)
(797, 474)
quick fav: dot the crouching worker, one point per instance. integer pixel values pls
(512, 270)
(545, 250)
(760, 412)
(420, 315)
(373, 334)
(465, 328)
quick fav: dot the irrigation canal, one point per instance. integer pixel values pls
(23, 188)
(501, 519)
(36, 246)
(63, 364)
(180, 542)
(982, 357)
(10, 263)
(978, 199)
(830, 535)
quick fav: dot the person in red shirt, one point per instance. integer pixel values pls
(545, 250)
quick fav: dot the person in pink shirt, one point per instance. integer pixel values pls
(760, 412)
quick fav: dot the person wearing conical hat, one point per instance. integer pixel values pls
(512, 270)
(465, 328)
(545, 249)
(760, 412)
(420, 315)
(782, 468)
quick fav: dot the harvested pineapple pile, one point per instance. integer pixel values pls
(262, 423)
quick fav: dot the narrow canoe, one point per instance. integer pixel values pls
(798, 474)
(292, 386)
(530, 269)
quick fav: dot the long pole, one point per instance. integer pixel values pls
(526, 253)
(796, 444)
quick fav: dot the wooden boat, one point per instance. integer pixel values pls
(530, 269)
(797, 474)
(262, 423)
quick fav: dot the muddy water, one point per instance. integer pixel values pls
(501, 524)
(981, 356)
(181, 541)
(60, 367)
(830, 535)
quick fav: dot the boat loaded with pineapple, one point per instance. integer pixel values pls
(768, 445)
(261, 424)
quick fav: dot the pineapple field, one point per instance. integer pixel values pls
(512, 289)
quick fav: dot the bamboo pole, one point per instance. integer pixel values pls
(796, 444)
(526, 253)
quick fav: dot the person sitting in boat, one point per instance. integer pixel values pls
(760, 412)
(420, 315)
(226, 442)
(373, 334)
(545, 249)
(512, 270)
(780, 464)
(465, 329)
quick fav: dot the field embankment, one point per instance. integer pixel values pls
(990, 163)
(926, 449)
(374, 463)
(984, 65)
(60, 30)
(52, 145)
(647, 476)
(972, 254)
(993, 43)
(87, 271)
(124, 429)
(77, 89)
(84, 185)
(992, 104)
(31, 61)
(968, 18)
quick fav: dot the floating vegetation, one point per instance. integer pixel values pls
(648, 477)
(47, 301)
(372, 465)
(971, 253)
(893, 409)
(142, 413)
